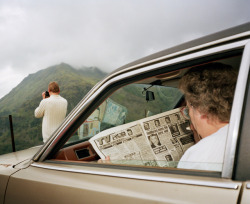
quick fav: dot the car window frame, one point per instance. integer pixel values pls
(242, 160)
(170, 65)
(236, 114)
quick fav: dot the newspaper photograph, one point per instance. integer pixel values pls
(158, 140)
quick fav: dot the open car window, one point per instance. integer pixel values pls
(151, 108)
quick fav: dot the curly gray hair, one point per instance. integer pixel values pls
(210, 89)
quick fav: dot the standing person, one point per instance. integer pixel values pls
(53, 110)
(209, 92)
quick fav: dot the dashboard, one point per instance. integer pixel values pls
(78, 152)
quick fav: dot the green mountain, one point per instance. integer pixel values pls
(24, 98)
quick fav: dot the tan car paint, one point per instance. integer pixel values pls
(7, 164)
(5, 172)
(39, 185)
(17, 157)
(246, 193)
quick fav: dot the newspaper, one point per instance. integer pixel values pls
(159, 140)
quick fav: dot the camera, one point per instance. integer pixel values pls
(47, 94)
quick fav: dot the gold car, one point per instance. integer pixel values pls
(129, 101)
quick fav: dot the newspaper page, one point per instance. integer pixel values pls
(159, 140)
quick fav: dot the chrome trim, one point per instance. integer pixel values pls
(248, 186)
(235, 117)
(105, 172)
(202, 53)
(116, 77)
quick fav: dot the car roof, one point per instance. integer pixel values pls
(229, 35)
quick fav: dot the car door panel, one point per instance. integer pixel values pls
(246, 193)
(6, 171)
(68, 184)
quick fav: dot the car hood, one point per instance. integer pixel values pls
(15, 158)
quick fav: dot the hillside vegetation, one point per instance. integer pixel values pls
(24, 98)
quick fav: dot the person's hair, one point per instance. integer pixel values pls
(54, 87)
(210, 89)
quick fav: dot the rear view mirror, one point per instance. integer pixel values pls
(150, 96)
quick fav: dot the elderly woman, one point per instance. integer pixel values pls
(209, 91)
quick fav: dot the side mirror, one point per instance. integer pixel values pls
(150, 96)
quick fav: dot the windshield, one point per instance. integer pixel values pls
(126, 105)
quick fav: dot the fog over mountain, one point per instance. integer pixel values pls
(103, 33)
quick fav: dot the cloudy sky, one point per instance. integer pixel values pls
(36, 34)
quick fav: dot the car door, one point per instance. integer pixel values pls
(64, 183)
(59, 176)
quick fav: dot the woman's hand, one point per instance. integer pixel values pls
(106, 161)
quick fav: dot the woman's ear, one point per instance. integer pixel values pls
(210, 119)
(204, 116)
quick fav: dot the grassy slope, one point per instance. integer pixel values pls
(23, 99)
